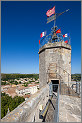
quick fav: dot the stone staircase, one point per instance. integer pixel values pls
(52, 71)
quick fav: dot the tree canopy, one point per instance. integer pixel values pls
(76, 77)
(9, 102)
(6, 77)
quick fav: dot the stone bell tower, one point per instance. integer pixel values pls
(54, 54)
(54, 63)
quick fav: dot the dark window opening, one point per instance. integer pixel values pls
(55, 86)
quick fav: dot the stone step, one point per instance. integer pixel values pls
(52, 66)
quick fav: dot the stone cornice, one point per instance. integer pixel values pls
(54, 45)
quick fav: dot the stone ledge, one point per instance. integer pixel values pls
(54, 45)
(23, 111)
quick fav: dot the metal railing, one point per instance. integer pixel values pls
(45, 40)
(49, 39)
(56, 112)
(73, 89)
(77, 87)
(53, 92)
(43, 113)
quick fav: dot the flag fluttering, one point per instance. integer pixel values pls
(66, 41)
(39, 41)
(58, 31)
(66, 35)
(50, 12)
(43, 34)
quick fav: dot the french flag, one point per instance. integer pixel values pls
(66, 35)
(43, 34)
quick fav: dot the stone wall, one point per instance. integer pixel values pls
(55, 62)
(28, 111)
(42, 72)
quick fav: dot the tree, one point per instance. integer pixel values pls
(9, 102)
(76, 77)
(2, 112)
(16, 83)
(20, 82)
(12, 105)
(25, 85)
(3, 83)
(12, 82)
(3, 94)
(6, 109)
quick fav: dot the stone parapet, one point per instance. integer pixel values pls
(54, 45)
(28, 111)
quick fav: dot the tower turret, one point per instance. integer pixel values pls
(54, 62)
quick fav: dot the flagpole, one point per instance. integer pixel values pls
(69, 41)
(54, 20)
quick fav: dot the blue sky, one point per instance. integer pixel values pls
(21, 26)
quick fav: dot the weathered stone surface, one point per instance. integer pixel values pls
(56, 44)
(54, 62)
(69, 109)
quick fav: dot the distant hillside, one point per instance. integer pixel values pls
(76, 77)
(6, 77)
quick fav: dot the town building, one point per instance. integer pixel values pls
(31, 89)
